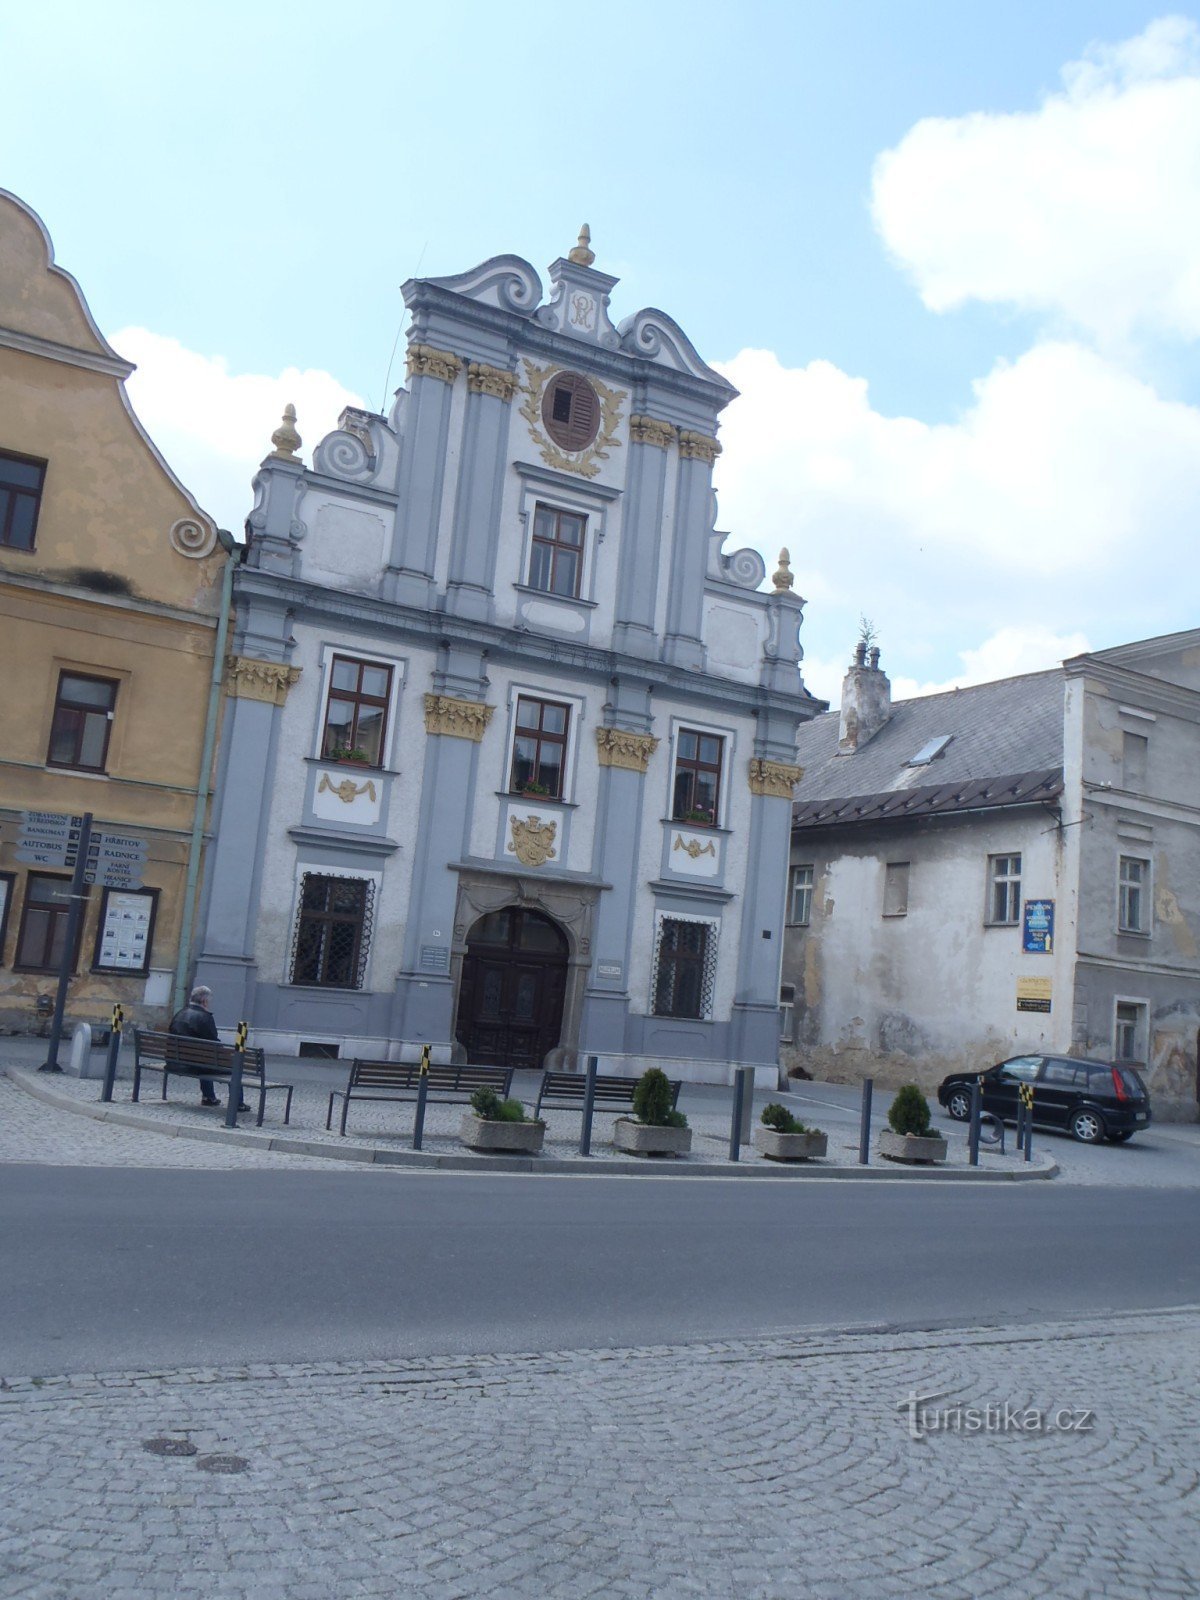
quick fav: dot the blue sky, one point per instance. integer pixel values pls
(917, 227)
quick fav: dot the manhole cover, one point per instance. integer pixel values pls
(222, 1463)
(169, 1447)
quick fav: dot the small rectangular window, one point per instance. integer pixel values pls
(1133, 883)
(696, 795)
(800, 901)
(83, 714)
(332, 931)
(1129, 1033)
(1134, 750)
(356, 711)
(895, 889)
(43, 933)
(7, 884)
(21, 481)
(556, 553)
(1004, 890)
(787, 1013)
(539, 754)
(684, 968)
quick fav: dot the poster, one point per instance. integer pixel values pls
(1033, 994)
(1039, 927)
(125, 931)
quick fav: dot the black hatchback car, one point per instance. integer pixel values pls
(1092, 1100)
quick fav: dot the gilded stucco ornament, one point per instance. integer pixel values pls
(533, 840)
(497, 381)
(784, 579)
(652, 430)
(268, 681)
(587, 462)
(190, 537)
(347, 790)
(693, 847)
(698, 446)
(285, 438)
(426, 362)
(774, 778)
(459, 719)
(616, 747)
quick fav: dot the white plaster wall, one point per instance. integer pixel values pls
(734, 636)
(346, 545)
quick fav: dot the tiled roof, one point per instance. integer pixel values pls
(1006, 744)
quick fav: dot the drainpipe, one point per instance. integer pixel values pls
(203, 785)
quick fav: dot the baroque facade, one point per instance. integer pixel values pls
(1006, 868)
(111, 584)
(510, 750)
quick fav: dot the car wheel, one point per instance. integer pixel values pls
(1087, 1126)
(958, 1104)
(1124, 1136)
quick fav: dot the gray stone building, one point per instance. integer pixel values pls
(1009, 867)
(508, 758)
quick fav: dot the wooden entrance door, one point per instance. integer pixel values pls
(514, 981)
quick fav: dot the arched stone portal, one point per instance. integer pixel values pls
(514, 982)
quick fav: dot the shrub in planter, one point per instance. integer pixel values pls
(495, 1124)
(909, 1136)
(784, 1137)
(656, 1128)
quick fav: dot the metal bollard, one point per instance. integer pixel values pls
(864, 1130)
(743, 1095)
(422, 1097)
(1027, 1095)
(235, 1076)
(114, 1050)
(589, 1105)
(973, 1126)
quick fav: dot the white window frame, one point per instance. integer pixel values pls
(727, 737)
(795, 887)
(541, 487)
(1143, 887)
(888, 867)
(319, 870)
(711, 960)
(1141, 1028)
(352, 652)
(576, 706)
(1010, 881)
(787, 1013)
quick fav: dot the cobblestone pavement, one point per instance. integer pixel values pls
(753, 1470)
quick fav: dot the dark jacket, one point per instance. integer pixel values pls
(194, 1022)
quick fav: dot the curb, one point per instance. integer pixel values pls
(556, 1166)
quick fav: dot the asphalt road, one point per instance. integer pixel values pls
(116, 1269)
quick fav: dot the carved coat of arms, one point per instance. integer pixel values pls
(532, 840)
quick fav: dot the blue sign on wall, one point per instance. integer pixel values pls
(1039, 927)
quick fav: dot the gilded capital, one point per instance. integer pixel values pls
(652, 430)
(698, 446)
(459, 719)
(426, 362)
(616, 747)
(774, 778)
(269, 681)
(498, 381)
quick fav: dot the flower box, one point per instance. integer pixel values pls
(776, 1146)
(489, 1133)
(911, 1147)
(650, 1139)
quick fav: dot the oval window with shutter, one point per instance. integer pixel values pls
(571, 411)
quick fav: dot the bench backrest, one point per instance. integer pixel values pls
(400, 1075)
(570, 1088)
(177, 1050)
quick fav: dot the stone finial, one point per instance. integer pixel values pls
(583, 255)
(784, 577)
(285, 438)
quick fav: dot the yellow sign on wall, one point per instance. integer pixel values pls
(1033, 994)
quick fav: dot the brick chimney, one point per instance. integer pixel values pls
(866, 700)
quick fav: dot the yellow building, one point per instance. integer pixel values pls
(113, 586)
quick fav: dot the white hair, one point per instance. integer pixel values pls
(199, 995)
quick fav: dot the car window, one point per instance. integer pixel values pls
(1021, 1069)
(1062, 1073)
(1100, 1080)
(1134, 1081)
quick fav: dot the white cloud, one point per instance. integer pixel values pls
(1011, 651)
(214, 426)
(1055, 507)
(1087, 208)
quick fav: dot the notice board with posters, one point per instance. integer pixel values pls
(1039, 927)
(1033, 994)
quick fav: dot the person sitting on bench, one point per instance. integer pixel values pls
(196, 1021)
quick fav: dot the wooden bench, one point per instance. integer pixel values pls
(565, 1091)
(400, 1080)
(176, 1055)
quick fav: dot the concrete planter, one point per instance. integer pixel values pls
(911, 1147)
(482, 1133)
(640, 1139)
(777, 1146)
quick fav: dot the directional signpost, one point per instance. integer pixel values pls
(108, 860)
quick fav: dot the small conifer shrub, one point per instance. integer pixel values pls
(910, 1112)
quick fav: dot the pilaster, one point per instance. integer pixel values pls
(432, 374)
(476, 532)
(637, 574)
(683, 646)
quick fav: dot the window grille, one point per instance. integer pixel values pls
(685, 967)
(334, 924)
